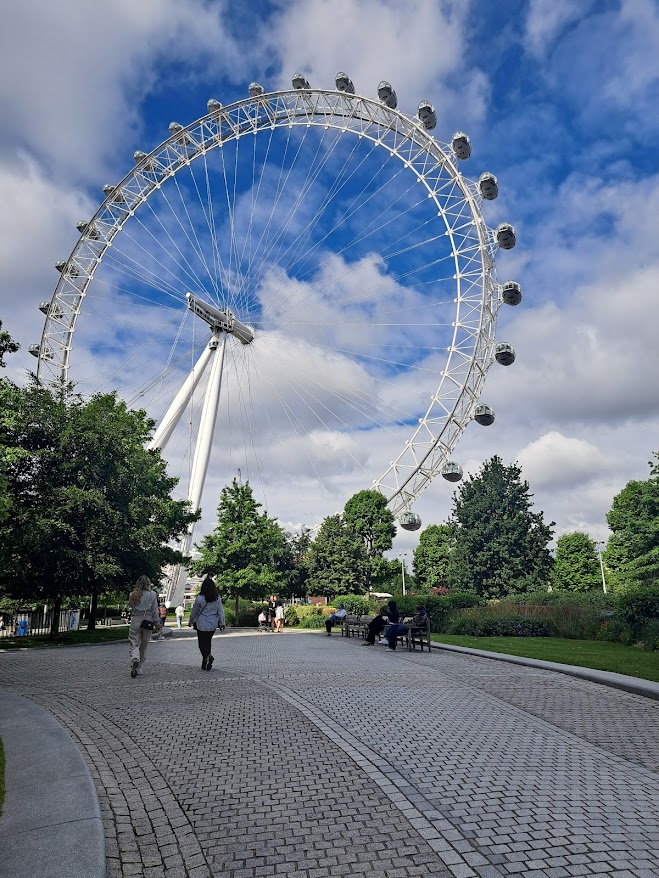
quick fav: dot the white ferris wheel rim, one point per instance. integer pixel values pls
(473, 246)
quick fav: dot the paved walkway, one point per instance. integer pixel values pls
(305, 757)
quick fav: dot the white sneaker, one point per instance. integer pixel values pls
(383, 642)
(139, 672)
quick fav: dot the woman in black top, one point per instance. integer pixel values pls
(377, 625)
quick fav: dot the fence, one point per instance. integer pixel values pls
(37, 622)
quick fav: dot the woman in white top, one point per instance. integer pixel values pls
(206, 615)
(144, 619)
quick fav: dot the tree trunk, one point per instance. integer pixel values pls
(54, 623)
(93, 607)
(235, 611)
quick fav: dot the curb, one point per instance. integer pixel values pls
(51, 825)
(635, 685)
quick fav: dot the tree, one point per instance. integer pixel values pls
(91, 506)
(431, 557)
(7, 345)
(366, 514)
(576, 563)
(338, 563)
(633, 548)
(246, 550)
(500, 544)
(295, 566)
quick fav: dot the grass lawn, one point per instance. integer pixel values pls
(585, 653)
(67, 638)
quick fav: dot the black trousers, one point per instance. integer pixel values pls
(375, 627)
(204, 640)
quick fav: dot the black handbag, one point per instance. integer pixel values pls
(146, 624)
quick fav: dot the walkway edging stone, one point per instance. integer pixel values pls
(51, 809)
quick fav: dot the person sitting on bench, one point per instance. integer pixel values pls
(335, 619)
(377, 625)
(395, 631)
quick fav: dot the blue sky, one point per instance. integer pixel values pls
(559, 100)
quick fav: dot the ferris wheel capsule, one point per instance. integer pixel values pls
(427, 115)
(300, 81)
(409, 521)
(213, 105)
(504, 354)
(505, 235)
(461, 145)
(81, 226)
(60, 265)
(344, 83)
(484, 415)
(44, 306)
(511, 292)
(488, 186)
(255, 90)
(387, 94)
(452, 471)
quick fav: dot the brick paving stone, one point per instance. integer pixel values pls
(509, 760)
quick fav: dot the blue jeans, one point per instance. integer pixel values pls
(393, 632)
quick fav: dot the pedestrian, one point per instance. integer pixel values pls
(279, 616)
(396, 630)
(335, 619)
(377, 625)
(162, 612)
(144, 619)
(179, 612)
(206, 615)
(272, 606)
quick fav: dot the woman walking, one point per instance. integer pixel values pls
(206, 615)
(144, 618)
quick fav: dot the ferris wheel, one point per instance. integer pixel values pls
(300, 285)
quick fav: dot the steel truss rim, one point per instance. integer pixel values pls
(424, 453)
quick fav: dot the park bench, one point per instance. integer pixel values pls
(414, 636)
(355, 626)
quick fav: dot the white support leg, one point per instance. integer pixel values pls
(173, 414)
(176, 588)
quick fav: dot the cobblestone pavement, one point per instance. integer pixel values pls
(308, 756)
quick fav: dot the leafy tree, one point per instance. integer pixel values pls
(500, 544)
(366, 514)
(7, 345)
(295, 565)
(633, 548)
(246, 551)
(338, 563)
(91, 506)
(576, 563)
(431, 557)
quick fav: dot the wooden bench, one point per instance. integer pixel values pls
(415, 635)
(356, 626)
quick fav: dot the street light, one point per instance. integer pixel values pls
(599, 552)
(402, 556)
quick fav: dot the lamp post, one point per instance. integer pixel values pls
(402, 556)
(599, 552)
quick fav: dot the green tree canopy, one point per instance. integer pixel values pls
(246, 550)
(431, 557)
(633, 548)
(338, 563)
(91, 506)
(500, 544)
(7, 345)
(367, 515)
(576, 563)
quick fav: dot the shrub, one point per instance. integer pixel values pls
(637, 606)
(291, 616)
(614, 631)
(440, 607)
(649, 638)
(587, 599)
(310, 616)
(355, 604)
(472, 623)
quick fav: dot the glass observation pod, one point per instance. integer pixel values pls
(387, 94)
(344, 83)
(35, 350)
(505, 235)
(452, 471)
(461, 145)
(213, 105)
(488, 186)
(484, 415)
(427, 115)
(300, 81)
(504, 354)
(255, 90)
(511, 293)
(409, 521)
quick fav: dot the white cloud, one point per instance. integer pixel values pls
(554, 460)
(546, 19)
